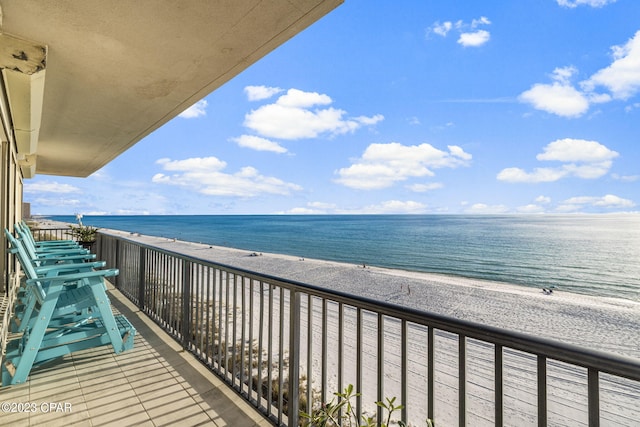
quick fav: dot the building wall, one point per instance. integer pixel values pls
(10, 192)
(10, 212)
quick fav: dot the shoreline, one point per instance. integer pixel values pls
(602, 323)
(438, 276)
(599, 281)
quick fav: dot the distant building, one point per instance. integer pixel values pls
(26, 210)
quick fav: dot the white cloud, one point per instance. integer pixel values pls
(257, 93)
(278, 121)
(44, 201)
(369, 120)
(608, 201)
(423, 188)
(563, 74)
(560, 97)
(382, 165)
(387, 207)
(483, 20)
(258, 144)
(625, 178)
(126, 212)
(198, 109)
(576, 150)
(296, 98)
(373, 176)
(313, 208)
(321, 205)
(442, 29)
(582, 158)
(482, 208)
(592, 3)
(543, 199)
(598, 98)
(49, 187)
(458, 152)
(630, 108)
(568, 208)
(292, 117)
(395, 207)
(588, 171)
(622, 77)
(205, 175)
(469, 35)
(538, 175)
(474, 39)
(304, 211)
(611, 200)
(203, 164)
(556, 98)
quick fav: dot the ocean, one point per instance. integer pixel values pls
(589, 254)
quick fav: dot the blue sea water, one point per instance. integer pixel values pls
(589, 254)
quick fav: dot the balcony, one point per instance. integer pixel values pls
(224, 344)
(156, 383)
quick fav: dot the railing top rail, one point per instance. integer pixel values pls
(49, 228)
(602, 361)
(44, 230)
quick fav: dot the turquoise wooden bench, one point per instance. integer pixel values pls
(38, 267)
(27, 297)
(66, 309)
(71, 301)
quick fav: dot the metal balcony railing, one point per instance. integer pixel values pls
(52, 234)
(287, 347)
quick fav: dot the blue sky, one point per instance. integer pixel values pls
(527, 106)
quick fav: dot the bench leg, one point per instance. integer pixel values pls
(32, 346)
(106, 315)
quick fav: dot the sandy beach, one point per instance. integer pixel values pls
(605, 324)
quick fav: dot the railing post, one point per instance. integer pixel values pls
(323, 391)
(430, 372)
(542, 391)
(359, 351)
(98, 248)
(294, 357)
(404, 366)
(499, 385)
(380, 370)
(186, 303)
(116, 279)
(594, 397)
(141, 277)
(462, 380)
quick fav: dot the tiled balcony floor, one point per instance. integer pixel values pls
(155, 384)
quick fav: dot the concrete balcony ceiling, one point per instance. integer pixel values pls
(115, 71)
